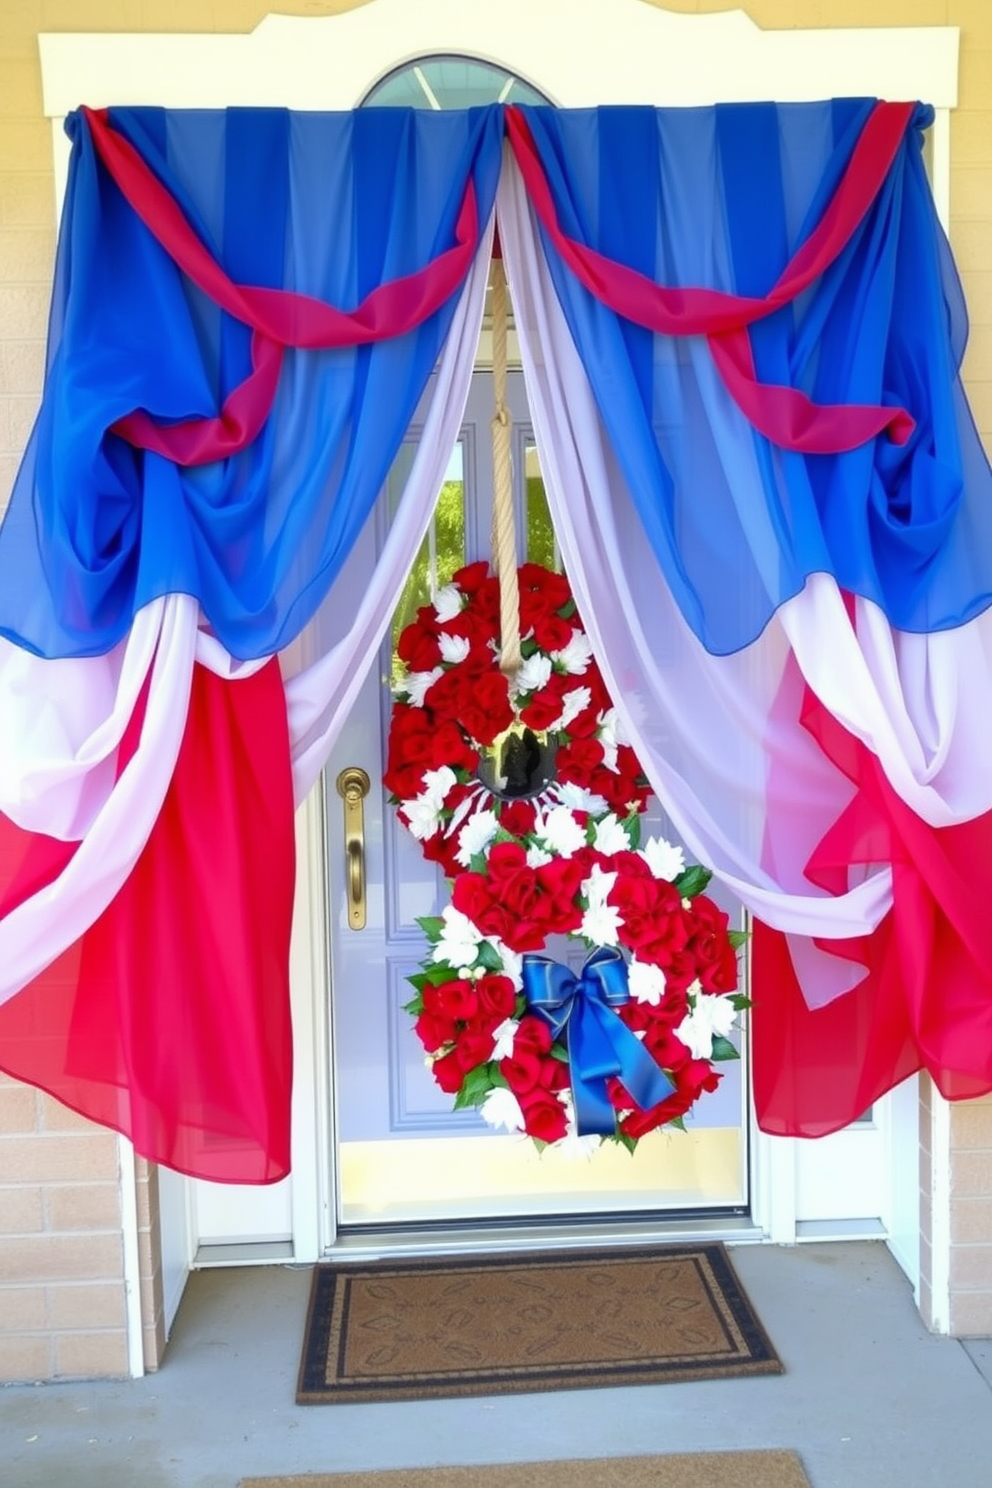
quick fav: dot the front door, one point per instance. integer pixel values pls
(402, 1155)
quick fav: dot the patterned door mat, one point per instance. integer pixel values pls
(415, 1329)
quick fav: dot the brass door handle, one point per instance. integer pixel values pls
(353, 786)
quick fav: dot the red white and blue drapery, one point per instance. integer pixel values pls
(741, 332)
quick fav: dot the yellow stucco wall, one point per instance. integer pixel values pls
(61, 1282)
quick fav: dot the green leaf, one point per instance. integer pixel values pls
(624, 1140)
(677, 1122)
(528, 647)
(723, 1049)
(466, 1099)
(474, 1088)
(738, 937)
(488, 957)
(439, 973)
(419, 980)
(740, 1002)
(432, 925)
(693, 881)
(498, 1078)
(567, 610)
(632, 826)
(477, 863)
(559, 1052)
(415, 1006)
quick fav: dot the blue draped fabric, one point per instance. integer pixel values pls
(721, 198)
(334, 205)
(325, 205)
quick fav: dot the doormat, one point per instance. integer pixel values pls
(495, 1325)
(684, 1470)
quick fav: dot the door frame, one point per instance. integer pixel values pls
(633, 51)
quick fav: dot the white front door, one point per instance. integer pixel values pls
(402, 1154)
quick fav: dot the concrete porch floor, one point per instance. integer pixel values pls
(869, 1399)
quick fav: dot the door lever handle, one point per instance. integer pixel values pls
(353, 786)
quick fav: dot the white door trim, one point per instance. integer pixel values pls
(631, 52)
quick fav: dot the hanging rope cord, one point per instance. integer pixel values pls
(504, 532)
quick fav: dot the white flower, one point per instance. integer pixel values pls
(572, 704)
(453, 648)
(460, 939)
(610, 735)
(646, 982)
(503, 1037)
(610, 836)
(417, 685)
(559, 831)
(601, 921)
(424, 812)
(611, 729)
(511, 962)
(710, 1017)
(663, 858)
(576, 798)
(537, 857)
(533, 674)
(476, 835)
(597, 888)
(450, 601)
(576, 656)
(501, 1108)
(600, 924)
(437, 783)
(423, 816)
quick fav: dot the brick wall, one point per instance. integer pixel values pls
(61, 1278)
(62, 1302)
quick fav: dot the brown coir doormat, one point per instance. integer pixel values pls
(690, 1470)
(410, 1330)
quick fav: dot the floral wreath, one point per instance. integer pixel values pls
(527, 1039)
(473, 754)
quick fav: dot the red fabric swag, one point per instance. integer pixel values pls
(783, 414)
(169, 1019)
(926, 1000)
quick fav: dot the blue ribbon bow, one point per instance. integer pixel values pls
(599, 1044)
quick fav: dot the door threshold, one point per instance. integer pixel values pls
(397, 1241)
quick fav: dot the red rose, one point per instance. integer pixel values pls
(434, 1033)
(521, 1070)
(448, 1073)
(578, 760)
(552, 633)
(534, 1034)
(418, 644)
(474, 1046)
(653, 919)
(487, 710)
(497, 998)
(516, 817)
(455, 999)
(680, 970)
(542, 711)
(450, 747)
(449, 695)
(721, 975)
(471, 577)
(544, 1115)
(472, 895)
